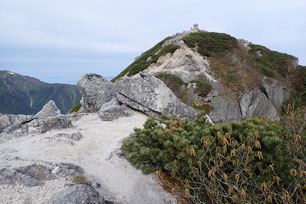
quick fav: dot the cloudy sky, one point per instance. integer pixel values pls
(59, 40)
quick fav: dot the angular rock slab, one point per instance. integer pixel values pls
(151, 96)
(49, 110)
(113, 110)
(96, 91)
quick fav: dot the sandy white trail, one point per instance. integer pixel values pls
(95, 154)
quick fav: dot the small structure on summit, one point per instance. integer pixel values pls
(195, 28)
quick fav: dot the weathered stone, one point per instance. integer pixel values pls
(31, 175)
(12, 177)
(113, 110)
(255, 103)
(9, 122)
(183, 63)
(274, 92)
(44, 125)
(49, 110)
(267, 109)
(224, 110)
(96, 91)
(151, 96)
(77, 194)
(249, 102)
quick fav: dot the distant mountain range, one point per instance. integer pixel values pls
(27, 95)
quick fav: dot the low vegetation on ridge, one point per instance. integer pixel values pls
(250, 161)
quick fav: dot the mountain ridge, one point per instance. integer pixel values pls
(27, 95)
(221, 75)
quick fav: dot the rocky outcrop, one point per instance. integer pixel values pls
(274, 92)
(77, 194)
(96, 91)
(49, 110)
(224, 110)
(113, 110)
(151, 96)
(183, 63)
(44, 125)
(9, 122)
(255, 103)
(12, 126)
(44, 182)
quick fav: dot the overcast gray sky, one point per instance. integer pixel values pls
(59, 40)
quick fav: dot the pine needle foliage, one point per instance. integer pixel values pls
(241, 162)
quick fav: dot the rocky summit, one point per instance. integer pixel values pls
(224, 77)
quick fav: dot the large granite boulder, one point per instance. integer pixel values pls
(151, 96)
(49, 110)
(113, 110)
(96, 91)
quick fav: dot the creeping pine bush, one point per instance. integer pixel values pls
(247, 161)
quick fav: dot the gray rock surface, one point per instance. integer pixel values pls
(45, 182)
(274, 91)
(36, 174)
(77, 194)
(267, 109)
(13, 126)
(255, 103)
(96, 91)
(9, 122)
(225, 110)
(65, 138)
(44, 125)
(113, 110)
(151, 96)
(49, 110)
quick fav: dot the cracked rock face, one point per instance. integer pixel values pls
(274, 91)
(96, 91)
(151, 96)
(255, 103)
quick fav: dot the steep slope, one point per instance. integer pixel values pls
(225, 77)
(27, 95)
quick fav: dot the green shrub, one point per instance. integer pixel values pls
(75, 108)
(203, 88)
(206, 108)
(247, 161)
(172, 80)
(298, 96)
(79, 179)
(270, 60)
(210, 43)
